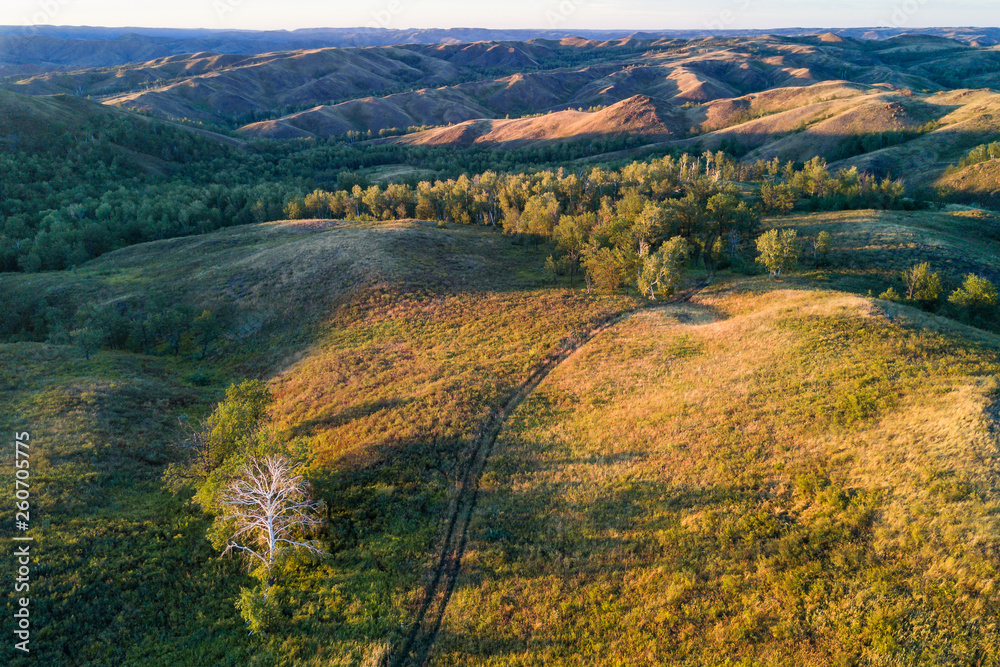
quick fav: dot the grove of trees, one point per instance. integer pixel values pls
(610, 224)
(120, 181)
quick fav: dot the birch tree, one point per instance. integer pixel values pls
(267, 507)
(660, 272)
(267, 510)
(779, 250)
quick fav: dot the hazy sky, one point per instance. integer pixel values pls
(562, 14)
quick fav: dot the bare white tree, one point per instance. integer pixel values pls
(268, 503)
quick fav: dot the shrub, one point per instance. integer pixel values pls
(821, 247)
(976, 293)
(891, 295)
(921, 284)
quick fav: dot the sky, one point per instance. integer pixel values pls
(554, 14)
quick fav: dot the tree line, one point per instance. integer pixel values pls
(620, 227)
(118, 181)
(635, 227)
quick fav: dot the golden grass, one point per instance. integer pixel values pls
(966, 119)
(767, 474)
(977, 182)
(760, 477)
(390, 401)
(637, 115)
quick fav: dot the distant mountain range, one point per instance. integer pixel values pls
(887, 104)
(26, 50)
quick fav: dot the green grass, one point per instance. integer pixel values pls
(122, 573)
(778, 472)
(871, 248)
(385, 345)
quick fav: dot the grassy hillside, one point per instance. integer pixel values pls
(906, 106)
(638, 117)
(367, 335)
(775, 472)
(35, 119)
(513, 468)
(978, 183)
(870, 248)
(212, 88)
(720, 86)
(768, 475)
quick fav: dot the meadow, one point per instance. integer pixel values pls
(769, 474)
(784, 471)
(366, 333)
(645, 351)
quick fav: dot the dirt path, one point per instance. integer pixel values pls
(417, 650)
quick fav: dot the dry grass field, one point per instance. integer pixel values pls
(504, 449)
(776, 472)
(979, 183)
(767, 475)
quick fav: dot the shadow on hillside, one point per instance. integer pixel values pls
(882, 154)
(688, 313)
(551, 526)
(310, 427)
(949, 261)
(546, 555)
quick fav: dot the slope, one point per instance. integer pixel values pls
(762, 98)
(743, 477)
(42, 121)
(212, 88)
(978, 183)
(228, 87)
(41, 48)
(964, 119)
(25, 119)
(385, 346)
(636, 116)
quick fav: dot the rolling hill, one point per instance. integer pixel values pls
(32, 119)
(208, 87)
(979, 183)
(892, 106)
(694, 483)
(732, 474)
(29, 50)
(307, 304)
(714, 407)
(638, 116)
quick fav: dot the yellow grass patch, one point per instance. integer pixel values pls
(759, 477)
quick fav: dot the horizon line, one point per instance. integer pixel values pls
(536, 29)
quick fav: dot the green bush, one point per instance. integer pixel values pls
(922, 284)
(976, 293)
